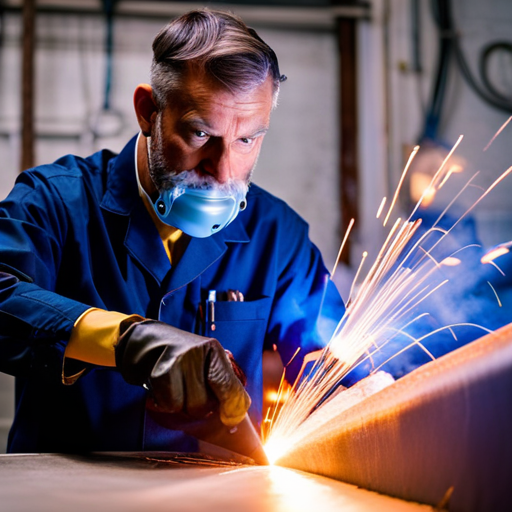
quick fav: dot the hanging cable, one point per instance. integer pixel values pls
(485, 56)
(450, 50)
(108, 122)
(486, 91)
(445, 55)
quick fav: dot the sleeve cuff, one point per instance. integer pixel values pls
(93, 340)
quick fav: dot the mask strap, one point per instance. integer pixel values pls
(139, 185)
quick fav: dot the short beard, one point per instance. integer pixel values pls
(191, 179)
(167, 179)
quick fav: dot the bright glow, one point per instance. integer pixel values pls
(418, 183)
(276, 448)
(297, 491)
(272, 396)
(276, 396)
(433, 187)
(428, 196)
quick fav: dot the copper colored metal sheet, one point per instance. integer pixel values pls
(146, 482)
(446, 428)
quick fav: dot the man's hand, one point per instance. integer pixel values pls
(184, 372)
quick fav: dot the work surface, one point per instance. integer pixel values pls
(136, 482)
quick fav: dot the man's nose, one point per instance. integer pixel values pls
(218, 162)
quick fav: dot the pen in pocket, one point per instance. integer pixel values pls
(210, 309)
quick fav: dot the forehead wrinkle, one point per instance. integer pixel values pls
(193, 118)
(242, 123)
(204, 103)
(196, 93)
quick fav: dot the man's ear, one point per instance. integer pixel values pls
(145, 108)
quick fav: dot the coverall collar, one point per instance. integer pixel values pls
(142, 238)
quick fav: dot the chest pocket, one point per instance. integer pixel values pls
(240, 326)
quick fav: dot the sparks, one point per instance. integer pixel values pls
(454, 169)
(345, 238)
(397, 191)
(497, 268)
(494, 253)
(404, 274)
(381, 207)
(363, 258)
(496, 295)
(497, 133)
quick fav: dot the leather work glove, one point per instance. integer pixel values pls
(184, 372)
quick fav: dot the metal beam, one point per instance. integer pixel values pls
(440, 435)
(348, 159)
(27, 85)
(304, 17)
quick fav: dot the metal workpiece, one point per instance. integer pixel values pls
(242, 439)
(440, 435)
(238, 443)
(159, 482)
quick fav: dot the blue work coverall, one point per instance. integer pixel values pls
(75, 234)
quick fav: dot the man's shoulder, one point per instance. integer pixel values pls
(73, 166)
(272, 207)
(67, 175)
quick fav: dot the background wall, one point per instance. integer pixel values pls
(299, 161)
(478, 24)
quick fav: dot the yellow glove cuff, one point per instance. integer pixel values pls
(95, 335)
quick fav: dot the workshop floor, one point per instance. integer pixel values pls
(115, 482)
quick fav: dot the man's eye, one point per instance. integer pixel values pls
(247, 140)
(200, 134)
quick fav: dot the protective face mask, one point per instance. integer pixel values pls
(198, 212)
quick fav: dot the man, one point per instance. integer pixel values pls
(152, 281)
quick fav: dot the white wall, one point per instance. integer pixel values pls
(298, 161)
(479, 23)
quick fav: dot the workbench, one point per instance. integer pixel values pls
(156, 483)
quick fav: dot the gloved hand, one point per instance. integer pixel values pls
(184, 372)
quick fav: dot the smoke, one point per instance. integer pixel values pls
(474, 300)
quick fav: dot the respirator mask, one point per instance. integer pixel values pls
(197, 207)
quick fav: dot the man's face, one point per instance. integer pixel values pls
(213, 134)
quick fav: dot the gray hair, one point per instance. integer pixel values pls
(218, 42)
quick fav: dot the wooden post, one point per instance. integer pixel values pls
(27, 87)
(349, 182)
